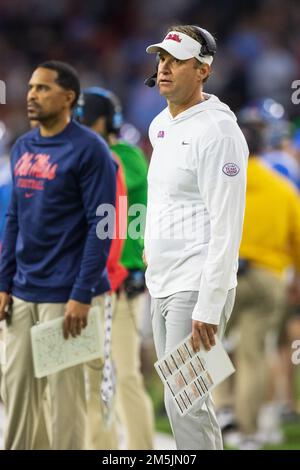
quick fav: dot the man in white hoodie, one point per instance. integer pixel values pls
(196, 199)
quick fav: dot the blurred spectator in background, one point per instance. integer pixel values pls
(280, 154)
(5, 178)
(270, 244)
(278, 150)
(101, 110)
(5, 192)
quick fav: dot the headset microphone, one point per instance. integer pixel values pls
(151, 81)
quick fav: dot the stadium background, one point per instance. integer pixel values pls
(258, 48)
(105, 40)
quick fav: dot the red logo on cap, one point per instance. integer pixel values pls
(174, 37)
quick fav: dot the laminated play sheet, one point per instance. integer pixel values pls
(52, 353)
(190, 376)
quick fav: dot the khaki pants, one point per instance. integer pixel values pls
(23, 394)
(258, 311)
(133, 406)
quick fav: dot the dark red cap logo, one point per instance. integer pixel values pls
(174, 37)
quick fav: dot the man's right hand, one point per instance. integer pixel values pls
(5, 299)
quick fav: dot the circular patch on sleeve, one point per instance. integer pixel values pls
(230, 169)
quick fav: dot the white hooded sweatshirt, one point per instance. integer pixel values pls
(196, 201)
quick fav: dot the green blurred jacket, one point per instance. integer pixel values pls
(135, 168)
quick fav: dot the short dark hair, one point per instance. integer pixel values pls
(67, 76)
(96, 105)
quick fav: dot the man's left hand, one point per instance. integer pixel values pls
(203, 333)
(76, 315)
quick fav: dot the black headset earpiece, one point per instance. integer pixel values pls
(151, 81)
(209, 46)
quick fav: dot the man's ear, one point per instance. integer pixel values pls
(70, 97)
(204, 71)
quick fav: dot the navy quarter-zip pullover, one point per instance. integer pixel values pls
(51, 252)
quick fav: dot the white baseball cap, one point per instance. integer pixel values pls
(181, 46)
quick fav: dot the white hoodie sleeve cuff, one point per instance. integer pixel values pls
(206, 316)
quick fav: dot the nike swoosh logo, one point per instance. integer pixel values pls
(185, 143)
(28, 195)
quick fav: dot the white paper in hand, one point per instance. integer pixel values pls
(191, 376)
(52, 353)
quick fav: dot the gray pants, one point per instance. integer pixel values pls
(171, 322)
